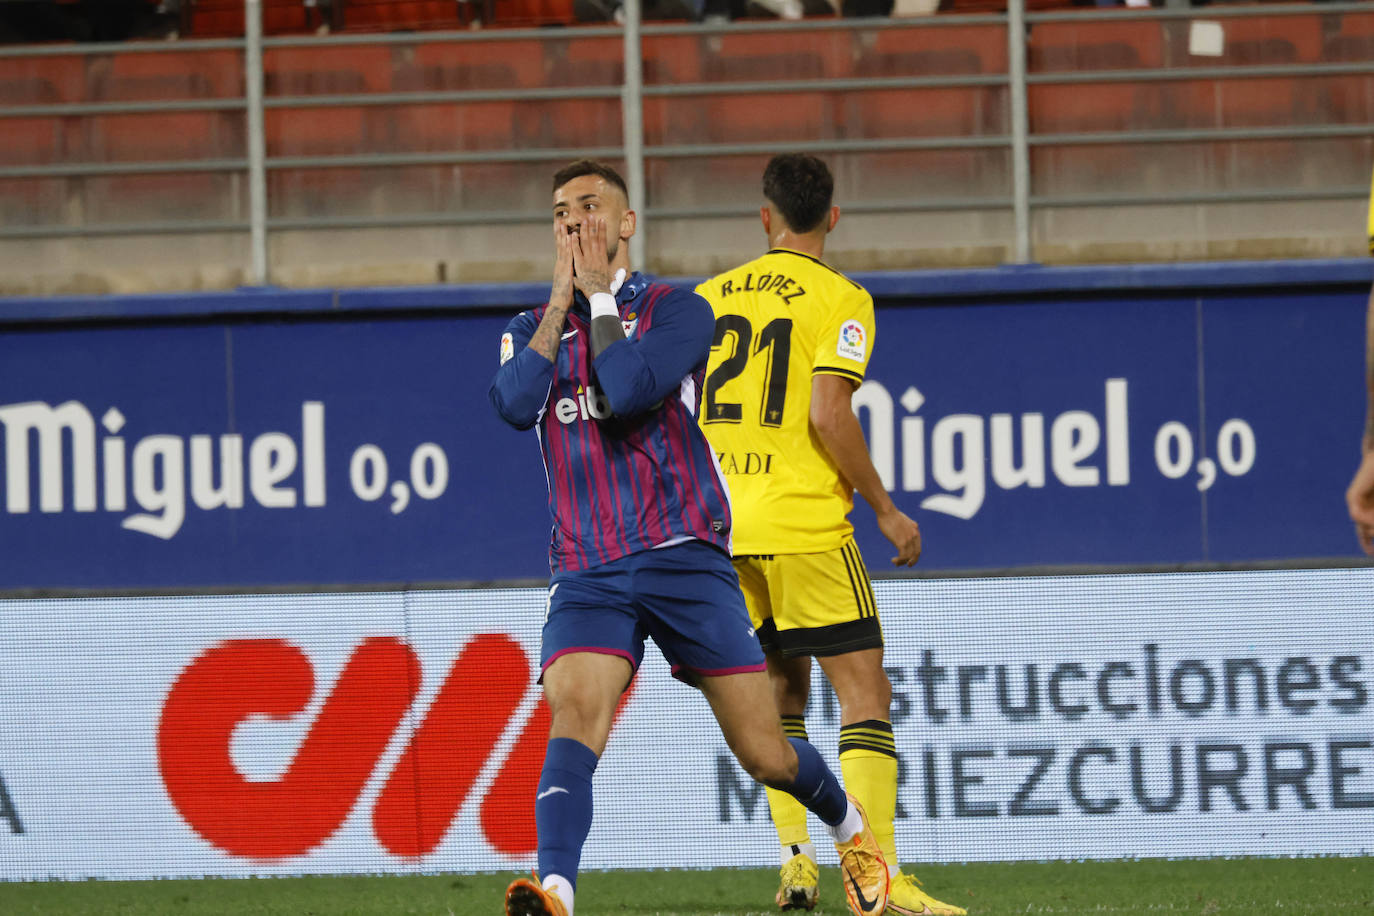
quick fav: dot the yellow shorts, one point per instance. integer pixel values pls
(810, 603)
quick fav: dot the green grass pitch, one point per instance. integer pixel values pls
(1150, 886)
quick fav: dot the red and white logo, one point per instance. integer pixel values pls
(429, 783)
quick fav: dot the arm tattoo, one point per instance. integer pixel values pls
(549, 333)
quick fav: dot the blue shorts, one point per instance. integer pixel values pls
(686, 597)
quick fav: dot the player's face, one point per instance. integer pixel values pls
(586, 195)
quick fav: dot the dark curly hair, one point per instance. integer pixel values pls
(801, 187)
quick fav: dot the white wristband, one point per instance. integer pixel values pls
(603, 306)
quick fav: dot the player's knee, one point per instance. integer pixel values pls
(871, 699)
(883, 691)
(580, 714)
(773, 767)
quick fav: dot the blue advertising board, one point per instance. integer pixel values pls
(1026, 417)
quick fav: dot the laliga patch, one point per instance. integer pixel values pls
(507, 347)
(852, 341)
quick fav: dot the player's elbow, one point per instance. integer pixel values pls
(827, 420)
(513, 412)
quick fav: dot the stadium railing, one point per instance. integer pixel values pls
(1237, 131)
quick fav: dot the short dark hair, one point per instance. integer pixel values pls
(589, 167)
(801, 187)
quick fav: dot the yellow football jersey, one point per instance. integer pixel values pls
(780, 319)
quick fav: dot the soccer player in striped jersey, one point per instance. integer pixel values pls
(609, 374)
(792, 341)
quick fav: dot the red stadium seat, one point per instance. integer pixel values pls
(1076, 108)
(895, 113)
(163, 136)
(1267, 40)
(1347, 99)
(928, 51)
(1348, 36)
(597, 62)
(1055, 47)
(671, 58)
(890, 113)
(31, 141)
(42, 80)
(532, 12)
(326, 69)
(999, 6)
(319, 131)
(463, 65)
(224, 18)
(781, 117)
(405, 15)
(449, 127)
(165, 76)
(578, 61)
(749, 57)
(27, 90)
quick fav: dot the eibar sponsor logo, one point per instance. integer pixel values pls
(782, 285)
(590, 404)
(746, 462)
(154, 470)
(9, 814)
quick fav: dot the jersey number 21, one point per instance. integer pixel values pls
(775, 342)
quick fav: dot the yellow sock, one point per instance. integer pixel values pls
(789, 815)
(868, 762)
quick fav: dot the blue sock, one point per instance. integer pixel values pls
(563, 807)
(816, 786)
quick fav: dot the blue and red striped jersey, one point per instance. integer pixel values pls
(627, 465)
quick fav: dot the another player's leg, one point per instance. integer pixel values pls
(868, 760)
(838, 624)
(694, 610)
(798, 876)
(753, 731)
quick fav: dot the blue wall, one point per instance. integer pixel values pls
(1202, 413)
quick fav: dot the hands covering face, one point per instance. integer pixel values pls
(591, 260)
(581, 260)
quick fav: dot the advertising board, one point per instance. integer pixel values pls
(1180, 714)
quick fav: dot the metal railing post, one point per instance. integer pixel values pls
(257, 147)
(632, 121)
(1020, 129)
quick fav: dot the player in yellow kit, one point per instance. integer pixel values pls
(792, 341)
